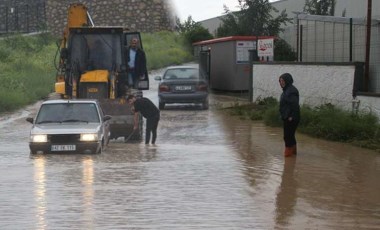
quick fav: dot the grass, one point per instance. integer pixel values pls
(165, 48)
(27, 75)
(28, 72)
(326, 121)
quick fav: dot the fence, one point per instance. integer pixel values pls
(337, 39)
(22, 18)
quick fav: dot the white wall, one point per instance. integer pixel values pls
(317, 84)
(369, 104)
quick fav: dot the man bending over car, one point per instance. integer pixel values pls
(149, 111)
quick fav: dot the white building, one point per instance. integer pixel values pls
(346, 8)
(343, 8)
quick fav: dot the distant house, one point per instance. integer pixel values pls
(343, 8)
(212, 24)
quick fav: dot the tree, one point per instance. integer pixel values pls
(193, 31)
(254, 18)
(186, 26)
(283, 51)
(320, 7)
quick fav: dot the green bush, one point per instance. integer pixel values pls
(335, 124)
(325, 121)
(272, 117)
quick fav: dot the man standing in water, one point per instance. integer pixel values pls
(149, 111)
(290, 113)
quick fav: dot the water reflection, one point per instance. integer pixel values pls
(88, 191)
(40, 191)
(43, 164)
(287, 193)
(148, 152)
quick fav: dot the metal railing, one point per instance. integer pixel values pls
(337, 39)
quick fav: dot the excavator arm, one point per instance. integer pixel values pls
(77, 16)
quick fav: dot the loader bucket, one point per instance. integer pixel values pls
(122, 122)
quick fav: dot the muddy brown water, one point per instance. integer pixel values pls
(207, 171)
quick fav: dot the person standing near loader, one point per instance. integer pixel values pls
(149, 111)
(136, 61)
(290, 113)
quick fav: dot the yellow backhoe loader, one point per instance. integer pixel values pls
(92, 64)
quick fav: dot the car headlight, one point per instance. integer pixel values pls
(89, 137)
(38, 138)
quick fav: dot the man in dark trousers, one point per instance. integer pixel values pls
(149, 111)
(136, 61)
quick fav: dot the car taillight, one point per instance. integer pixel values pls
(202, 87)
(163, 88)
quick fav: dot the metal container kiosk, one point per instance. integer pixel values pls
(226, 61)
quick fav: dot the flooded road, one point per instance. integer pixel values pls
(207, 171)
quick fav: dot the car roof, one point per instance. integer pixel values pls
(62, 101)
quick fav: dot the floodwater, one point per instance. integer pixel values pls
(208, 171)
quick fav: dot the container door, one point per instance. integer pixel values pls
(204, 64)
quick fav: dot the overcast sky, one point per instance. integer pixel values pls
(202, 9)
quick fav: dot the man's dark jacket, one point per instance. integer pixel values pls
(289, 102)
(140, 62)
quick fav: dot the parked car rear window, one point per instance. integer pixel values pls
(190, 73)
(86, 112)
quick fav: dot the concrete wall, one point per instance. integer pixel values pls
(317, 84)
(22, 15)
(141, 15)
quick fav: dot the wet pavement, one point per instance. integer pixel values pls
(208, 171)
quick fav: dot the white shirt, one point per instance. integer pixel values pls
(132, 58)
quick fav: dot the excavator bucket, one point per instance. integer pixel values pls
(122, 122)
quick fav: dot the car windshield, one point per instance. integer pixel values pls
(181, 73)
(67, 112)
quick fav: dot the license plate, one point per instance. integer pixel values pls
(63, 148)
(92, 90)
(183, 87)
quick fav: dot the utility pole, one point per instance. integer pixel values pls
(368, 45)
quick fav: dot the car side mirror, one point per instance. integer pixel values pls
(106, 118)
(30, 119)
(157, 78)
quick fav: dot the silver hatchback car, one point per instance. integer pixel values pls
(183, 84)
(66, 126)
